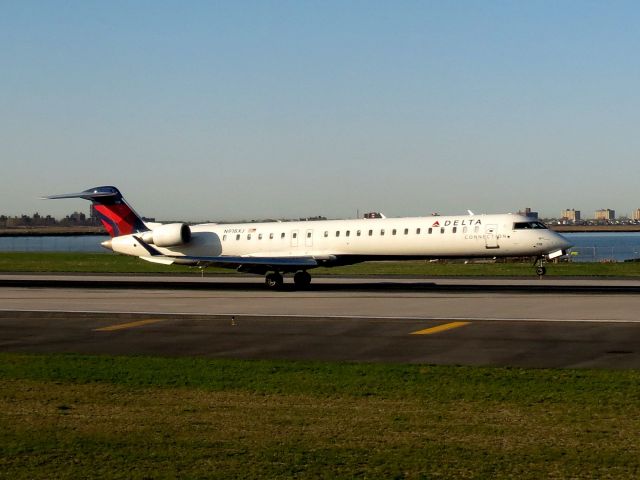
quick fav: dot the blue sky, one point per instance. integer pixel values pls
(218, 110)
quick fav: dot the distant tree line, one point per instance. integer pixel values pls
(75, 219)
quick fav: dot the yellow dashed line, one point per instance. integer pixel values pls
(122, 326)
(440, 328)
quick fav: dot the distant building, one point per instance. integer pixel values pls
(605, 214)
(636, 214)
(528, 213)
(570, 215)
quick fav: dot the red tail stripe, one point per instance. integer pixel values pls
(121, 215)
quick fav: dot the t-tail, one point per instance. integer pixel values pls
(111, 208)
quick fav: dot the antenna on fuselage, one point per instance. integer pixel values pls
(470, 212)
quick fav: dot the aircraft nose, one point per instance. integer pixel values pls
(107, 244)
(563, 243)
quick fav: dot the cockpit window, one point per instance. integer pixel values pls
(528, 225)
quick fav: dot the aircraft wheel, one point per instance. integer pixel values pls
(541, 271)
(302, 279)
(274, 280)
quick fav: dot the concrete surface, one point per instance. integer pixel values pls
(341, 319)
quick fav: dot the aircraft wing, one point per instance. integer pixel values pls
(227, 260)
(235, 261)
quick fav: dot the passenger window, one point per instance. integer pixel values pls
(259, 236)
(326, 233)
(248, 236)
(282, 235)
(271, 236)
(308, 234)
(370, 232)
(238, 237)
(382, 232)
(406, 231)
(393, 232)
(224, 238)
(455, 229)
(347, 233)
(295, 234)
(337, 233)
(464, 229)
(442, 230)
(358, 233)
(430, 231)
(417, 231)
(476, 229)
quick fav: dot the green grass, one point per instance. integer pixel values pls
(112, 263)
(81, 263)
(72, 416)
(484, 269)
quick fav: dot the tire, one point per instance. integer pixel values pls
(302, 279)
(540, 271)
(274, 280)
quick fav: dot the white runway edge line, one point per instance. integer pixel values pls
(332, 317)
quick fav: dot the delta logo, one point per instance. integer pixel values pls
(458, 222)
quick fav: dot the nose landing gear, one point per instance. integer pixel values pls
(540, 268)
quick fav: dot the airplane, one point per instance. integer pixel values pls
(277, 248)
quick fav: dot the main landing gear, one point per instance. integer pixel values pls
(275, 280)
(540, 268)
(302, 279)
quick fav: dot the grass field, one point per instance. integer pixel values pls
(111, 263)
(68, 416)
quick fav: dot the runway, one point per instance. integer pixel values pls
(532, 323)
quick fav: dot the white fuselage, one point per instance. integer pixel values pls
(368, 239)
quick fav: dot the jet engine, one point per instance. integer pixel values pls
(170, 235)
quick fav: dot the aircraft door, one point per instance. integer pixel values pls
(308, 238)
(294, 238)
(491, 236)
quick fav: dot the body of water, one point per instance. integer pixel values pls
(588, 247)
(602, 247)
(71, 243)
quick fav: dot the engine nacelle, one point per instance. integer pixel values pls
(170, 235)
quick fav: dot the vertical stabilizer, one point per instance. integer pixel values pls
(111, 208)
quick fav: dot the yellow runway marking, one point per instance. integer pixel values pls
(122, 326)
(440, 328)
